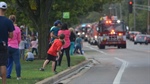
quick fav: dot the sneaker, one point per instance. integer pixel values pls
(8, 77)
(18, 78)
(41, 69)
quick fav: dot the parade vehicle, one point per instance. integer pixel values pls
(111, 32)
(83, 30)
(92, 35)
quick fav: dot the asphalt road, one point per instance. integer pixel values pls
(116, 66)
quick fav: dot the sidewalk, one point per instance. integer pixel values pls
(68, 72)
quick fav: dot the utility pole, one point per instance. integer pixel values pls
(148, 19)
(134, 14)
(120, 11)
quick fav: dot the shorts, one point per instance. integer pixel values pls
(3, 55)
(51, 57)
(3, 58)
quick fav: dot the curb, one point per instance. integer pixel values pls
(64, 73)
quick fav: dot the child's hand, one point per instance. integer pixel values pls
(60, 52)
(57, 58)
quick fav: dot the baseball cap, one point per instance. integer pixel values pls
(3, 5)
(57, 22)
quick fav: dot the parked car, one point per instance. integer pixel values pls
(141, 39)
(148, 38)
(132, 34)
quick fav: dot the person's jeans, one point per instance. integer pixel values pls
(22, 51)
(13, 56)
(29, 59)
(72, 45)
(78, 48)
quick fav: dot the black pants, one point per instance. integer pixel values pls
(67, 56)
(35, 50)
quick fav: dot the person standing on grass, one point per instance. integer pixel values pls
(64, 30)
(54, 31)
(72, 40)
(22, 47)
(13, 50)
(6, 31)
(54, 52)
(34, 45)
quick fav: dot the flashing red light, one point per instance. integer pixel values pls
(112, 32)
(130, 2)
(120, 34)
(108, 21)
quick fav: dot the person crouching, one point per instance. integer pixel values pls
(29, 56)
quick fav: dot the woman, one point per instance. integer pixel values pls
(64, 30)
(13, 50)
(72, 40)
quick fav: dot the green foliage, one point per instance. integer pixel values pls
(76, 8)
(30, 73)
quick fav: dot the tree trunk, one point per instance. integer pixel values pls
(43, 30)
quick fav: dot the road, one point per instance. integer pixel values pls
(116, 66)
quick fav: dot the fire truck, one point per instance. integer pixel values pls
(83, 30)
(111, 32)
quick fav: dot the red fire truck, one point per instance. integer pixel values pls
(111, 32)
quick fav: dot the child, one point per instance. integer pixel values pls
(53, 53)
(22, 47)
(79, 45)
(34, 45)
(29, 56)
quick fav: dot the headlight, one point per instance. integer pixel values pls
(95, 36)
(79, 33)
(86, 35)
(83, 32)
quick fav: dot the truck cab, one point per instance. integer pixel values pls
(111, 32)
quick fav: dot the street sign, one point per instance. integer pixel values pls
(66, 15)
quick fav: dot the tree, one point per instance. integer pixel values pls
(37, 11)
(44, 12)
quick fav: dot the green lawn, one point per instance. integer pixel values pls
(30, 70)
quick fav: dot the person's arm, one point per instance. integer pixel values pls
(26, 55)
(19, 36)
(58, 55)
(11, 28)
(10, 34)
(52, 35)
(31, 44)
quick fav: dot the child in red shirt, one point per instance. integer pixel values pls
(53, 52)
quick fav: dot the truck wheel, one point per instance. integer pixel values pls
(135, 43)
(118, 46)
(124, 46)
(146, 43)
(101, 46)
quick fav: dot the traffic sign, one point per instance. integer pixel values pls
(66, 15)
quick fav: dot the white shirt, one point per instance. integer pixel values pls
(30, 55)
(22, 44)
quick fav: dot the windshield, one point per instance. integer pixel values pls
(116, 27)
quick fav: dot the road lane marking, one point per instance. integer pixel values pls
(121, 70)
(97, 50)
